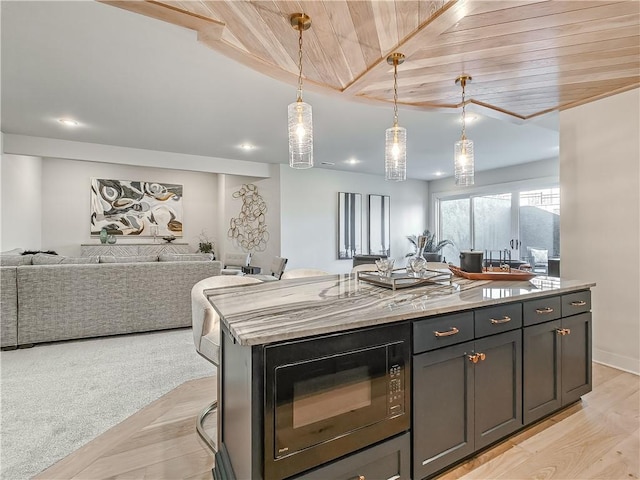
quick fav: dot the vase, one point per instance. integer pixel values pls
(103, 235)
(111, 239)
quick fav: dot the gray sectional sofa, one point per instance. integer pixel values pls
(70, 300)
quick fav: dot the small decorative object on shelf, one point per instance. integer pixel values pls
(103, 235)
(169, 238)
(205, 245)
(111, 239)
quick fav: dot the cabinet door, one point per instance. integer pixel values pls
(442, 408)
(498, 387)
(576, 357)
(541, 370)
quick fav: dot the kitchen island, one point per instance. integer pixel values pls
(417, 379)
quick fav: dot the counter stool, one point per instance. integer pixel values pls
(206, 332)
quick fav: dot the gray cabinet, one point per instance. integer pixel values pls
(465, 397)
(498, 387)
(388, 460)
(443, 410)
(557, 356)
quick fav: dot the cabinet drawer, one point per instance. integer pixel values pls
(574, 303)
(386, 461)
(437, 332)
(502, 318)
(541, 310)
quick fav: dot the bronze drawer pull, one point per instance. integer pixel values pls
(563, 331)
(579, 303)
(448, 333)
(505, 319)
(544, 310)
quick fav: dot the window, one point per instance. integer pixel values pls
(523, 222)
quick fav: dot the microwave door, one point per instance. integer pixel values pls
(321, 399)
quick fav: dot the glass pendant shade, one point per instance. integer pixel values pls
(395, 154)
(300, 135)
(463, 162)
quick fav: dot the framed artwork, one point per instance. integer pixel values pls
(349, 225)
(379, 220)
(144, 209)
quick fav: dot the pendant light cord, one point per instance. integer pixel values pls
(395, 93)
(300, 66)
(464, 122)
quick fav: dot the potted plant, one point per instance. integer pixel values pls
(431, 249)
(205, 245)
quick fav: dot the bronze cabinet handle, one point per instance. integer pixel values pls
(505, 319)
(544, 310)
(473, 358)
(448, 333)
(358, 477)
(482, 356)
(563, 331)
(579, 303)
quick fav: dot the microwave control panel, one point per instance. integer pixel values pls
(396, 391)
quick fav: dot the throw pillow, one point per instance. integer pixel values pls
(44, 259)
(15, 260)
(539, 255)
(185, 257)
(15, 251)
(132, 259)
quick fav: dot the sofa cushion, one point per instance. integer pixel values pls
(15, 251)
(44, 259)
(185, 257)
(130, 259)
(15, 260)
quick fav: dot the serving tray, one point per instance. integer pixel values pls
(401, 279)
(514, 274)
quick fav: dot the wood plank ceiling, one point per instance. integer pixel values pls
(526, 57)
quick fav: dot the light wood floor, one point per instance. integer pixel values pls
(598, 438)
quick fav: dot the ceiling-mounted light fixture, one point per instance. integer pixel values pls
(300, 121)
(395, 151)
(463, 150)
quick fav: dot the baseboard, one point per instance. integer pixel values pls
(627, 364)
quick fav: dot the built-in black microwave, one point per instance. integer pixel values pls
(329, 396)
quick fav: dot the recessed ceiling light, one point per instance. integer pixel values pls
(247, 146)
(439, 173)
(352, 161)
(68, 122)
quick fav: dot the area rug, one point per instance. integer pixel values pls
(56, 397)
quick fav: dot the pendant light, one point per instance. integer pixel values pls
(395, 151)
(300, 121)
(463, 150)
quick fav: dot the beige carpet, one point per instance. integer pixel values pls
(56, 397)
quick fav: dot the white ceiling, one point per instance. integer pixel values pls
(138, 82)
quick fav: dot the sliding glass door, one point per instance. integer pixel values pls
(524, 224)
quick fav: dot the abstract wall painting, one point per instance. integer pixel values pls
(144, 209)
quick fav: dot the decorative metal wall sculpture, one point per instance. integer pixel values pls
(249, 229)
(127, 207)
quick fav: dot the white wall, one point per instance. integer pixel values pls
(600, 227)
(269, 190)
(66, 194)
(309, 208)
(20, 202)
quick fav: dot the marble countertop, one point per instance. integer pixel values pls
(269, 312)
